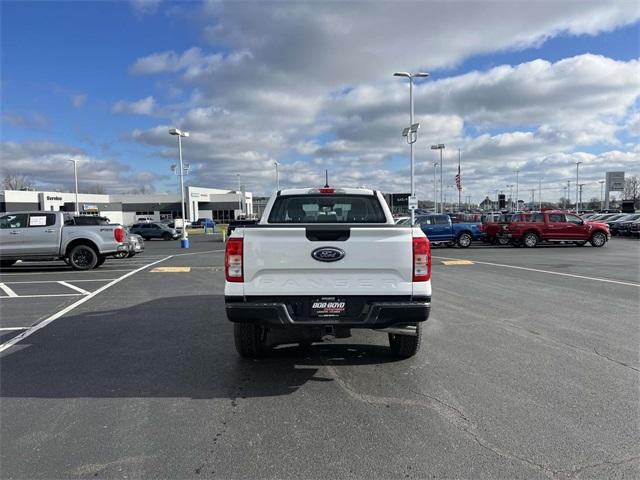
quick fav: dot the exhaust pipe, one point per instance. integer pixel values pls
(411, 330)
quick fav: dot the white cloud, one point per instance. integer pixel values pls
(35, 121)
(48, 165)
(78, 100)
(145, 6)
(144, 106)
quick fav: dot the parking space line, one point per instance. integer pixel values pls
(8, 329)
(550, 272)
(33, 329)
(44, 295)
(73, 287)
(7, 290)
(65, 271)
(57, 281)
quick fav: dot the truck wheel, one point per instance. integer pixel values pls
(405, 346)
(598, 239)
(249, 339)
(464, 240)
(83, 257)
(101, 260)
(530, 240)
(6, 263)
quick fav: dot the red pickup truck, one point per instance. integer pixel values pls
(492, 230)
(556, 227)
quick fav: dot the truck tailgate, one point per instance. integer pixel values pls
(377, 261)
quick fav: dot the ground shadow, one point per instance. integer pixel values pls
(168, 347)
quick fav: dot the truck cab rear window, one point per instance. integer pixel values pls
(327, 209)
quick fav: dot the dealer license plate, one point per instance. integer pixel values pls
(324, 307)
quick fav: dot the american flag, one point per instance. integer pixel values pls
(458, 184)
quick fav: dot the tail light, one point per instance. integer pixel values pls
(421, 259)
(327, 190)
(118, 234)
(233, 256)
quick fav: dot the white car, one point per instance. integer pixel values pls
(321, 262)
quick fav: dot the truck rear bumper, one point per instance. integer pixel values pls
(375, 314)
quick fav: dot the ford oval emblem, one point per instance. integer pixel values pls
(327, 254)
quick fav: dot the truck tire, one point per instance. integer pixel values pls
(464, 240)
(248, 339)
(405, 346)
(83, 257)
(6, 263)
(504, 241)
(530, 239)
(598, 239)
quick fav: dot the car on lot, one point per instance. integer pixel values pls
(57, 235)
(323, 262)
(439, 229)
(154, 230)
(622, 226)
(492, 230)
(616, 222)
(144, 220)
(551, 226)
(634, 229)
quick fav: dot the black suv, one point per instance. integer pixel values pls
(154, 230)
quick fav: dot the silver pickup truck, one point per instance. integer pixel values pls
(55, 235)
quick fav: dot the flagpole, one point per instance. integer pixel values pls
(459, 181)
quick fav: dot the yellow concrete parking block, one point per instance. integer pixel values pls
(171, 269)
(457, 262)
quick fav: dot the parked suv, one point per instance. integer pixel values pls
(557, 227)
(154, 230)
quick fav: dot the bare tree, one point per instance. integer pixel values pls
(17, 182)
(632, 190)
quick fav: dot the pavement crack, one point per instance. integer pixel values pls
(576, 471)
(451, 414)
(615, 361)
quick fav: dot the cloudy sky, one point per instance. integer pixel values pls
(532, 86)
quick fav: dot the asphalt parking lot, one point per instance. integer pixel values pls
(529, 369)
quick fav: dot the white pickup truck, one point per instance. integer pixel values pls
(55, 235)
(324, 261)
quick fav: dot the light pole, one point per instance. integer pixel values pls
(411, 76)
(601, 182)
(75, 176)
(435, 188)
(440, 146)
(577, 186)
(568, 194)
(276, 164)
(517, 185)
(184, 241)
(239, 195)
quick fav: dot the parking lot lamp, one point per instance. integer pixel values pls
(277, 164)
(435, 188)
(601, 182)
(440, 146)
(75, 175)
(517, 189)
(577, 186)
(184, 240)
(411, 76)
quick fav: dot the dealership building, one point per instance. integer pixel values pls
(200, 202)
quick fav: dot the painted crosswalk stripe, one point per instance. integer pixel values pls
(7, 290)
(73, 287)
